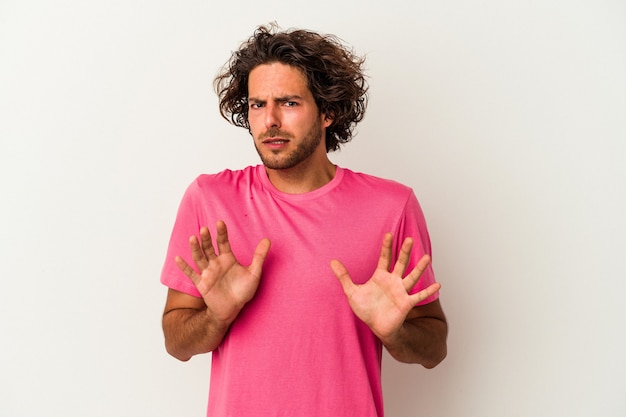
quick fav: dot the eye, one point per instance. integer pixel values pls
(256, 105)
(290, 103)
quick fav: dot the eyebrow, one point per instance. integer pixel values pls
(282, 99)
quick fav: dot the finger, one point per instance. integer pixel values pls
(403, 258)
(197, 254)
(411, 279)
(385, 253)
(424, 294)
(186, 268)
(342, 275)
(223, 245)
(260, 253)
(207, 243)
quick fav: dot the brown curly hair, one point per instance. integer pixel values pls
(334, 75)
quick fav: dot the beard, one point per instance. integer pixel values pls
(306, 148)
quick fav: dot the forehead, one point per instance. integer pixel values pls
(277, 79)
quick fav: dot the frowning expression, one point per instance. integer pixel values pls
(285, 122)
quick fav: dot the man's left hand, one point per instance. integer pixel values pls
(384, 302)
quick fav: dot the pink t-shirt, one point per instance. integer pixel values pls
(296, 349)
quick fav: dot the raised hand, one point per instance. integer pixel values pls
(225, 285)
(384, 302)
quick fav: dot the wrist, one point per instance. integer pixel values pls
(220, 322)
(393, 339)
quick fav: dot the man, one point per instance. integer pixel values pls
(296, 299)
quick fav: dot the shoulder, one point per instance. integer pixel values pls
(226, 176)
(376, 186)
(224, 180)
(225, 184)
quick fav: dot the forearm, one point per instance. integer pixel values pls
(421, 340)
(189, 332)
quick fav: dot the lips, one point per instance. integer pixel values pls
(274, 141)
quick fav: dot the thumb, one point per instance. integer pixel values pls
(260, 253)
(342, 275)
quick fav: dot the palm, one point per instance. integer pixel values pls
(382, 302)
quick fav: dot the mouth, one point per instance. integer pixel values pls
(275, 141)
(274, 144)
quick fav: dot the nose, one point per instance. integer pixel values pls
(272, 116)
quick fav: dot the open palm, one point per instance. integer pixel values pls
(225, 285)
(384, 302)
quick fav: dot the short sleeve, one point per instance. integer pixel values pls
(187, 224)
(413, 224)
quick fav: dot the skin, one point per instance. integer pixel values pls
(288, 129)
(288, 132)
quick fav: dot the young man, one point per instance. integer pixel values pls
(296, 299)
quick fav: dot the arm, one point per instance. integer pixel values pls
(411, 333)
(197, 325)
(188, 326)
(422, 337)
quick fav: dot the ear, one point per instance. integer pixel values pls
(327, 120)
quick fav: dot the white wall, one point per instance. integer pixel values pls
(507, 118)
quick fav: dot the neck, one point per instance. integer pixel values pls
(302, 178)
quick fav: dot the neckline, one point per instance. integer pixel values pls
(311, 195)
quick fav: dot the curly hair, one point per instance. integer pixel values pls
(333, 72)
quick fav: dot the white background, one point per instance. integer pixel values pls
(506, 117)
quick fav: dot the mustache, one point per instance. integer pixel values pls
(274, 132)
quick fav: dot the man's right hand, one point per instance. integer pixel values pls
(225, 285)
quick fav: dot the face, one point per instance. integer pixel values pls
(285, 122)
